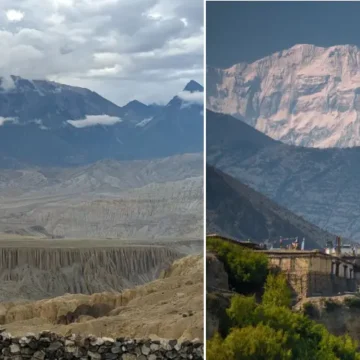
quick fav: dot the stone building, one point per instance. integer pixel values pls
(313, 273)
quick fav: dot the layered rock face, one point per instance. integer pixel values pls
(42, 272)
(170, 307)
(306, 95)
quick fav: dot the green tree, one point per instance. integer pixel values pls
(247, 269)
(242, 310)
(277, 291)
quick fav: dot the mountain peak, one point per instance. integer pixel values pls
(135, 104)
(193, 86)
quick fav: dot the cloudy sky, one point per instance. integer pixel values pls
(122, 49)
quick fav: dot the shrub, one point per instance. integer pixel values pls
(247, 269)
(311, 310)
(352, 302)
(271, 330)
(277, 291)
(241, 311)
(331, 305)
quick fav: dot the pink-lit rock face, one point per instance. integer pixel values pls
(306, 95)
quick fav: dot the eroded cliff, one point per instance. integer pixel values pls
(36, 272)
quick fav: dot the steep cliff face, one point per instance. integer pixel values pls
(305, 95)
(169, 307)
(319, 184)
(339, 314)
(235, 209)
(42, 272)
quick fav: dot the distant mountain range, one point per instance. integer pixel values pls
(143, 199)
(49, 124)
(321, 185)
(306, 95)
(236, 210)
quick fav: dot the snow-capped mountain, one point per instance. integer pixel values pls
(306, 95)
(50, 105)
(45, 123)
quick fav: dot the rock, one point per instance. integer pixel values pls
(116, 349)
(94, 356)
(39, 355)
(111, 356)
(128, 356)
(97, 342)
(154, 347)
(54, 346)
(15, 349)
(145, 350)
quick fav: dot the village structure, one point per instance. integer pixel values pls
(331, 271)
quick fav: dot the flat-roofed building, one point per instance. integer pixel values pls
(314, 273)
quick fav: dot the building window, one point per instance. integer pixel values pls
(345, 271)
(337, 269)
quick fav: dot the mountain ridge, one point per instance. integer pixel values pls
(64, 125)
(241, 212)
(305, 95)
(321, 185)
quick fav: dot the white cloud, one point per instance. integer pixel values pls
(93, 120)
(196, 97)
(14, 15)
(3, 120)
(108, 46)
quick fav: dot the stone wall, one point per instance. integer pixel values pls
(319, 284)
(48, 345)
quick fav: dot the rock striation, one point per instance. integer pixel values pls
(305, 95)
(41, 272)
(47, 345)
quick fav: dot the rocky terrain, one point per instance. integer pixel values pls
(305, 95)
(148, 199)
(218, 295)
(170, 307)
(321, 185)
(339, 314)
(61, 125)
(236, 210)
(36, 269)
(47, 345)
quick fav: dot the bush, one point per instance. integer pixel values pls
(271, 330)
(331, 305)
(247, 269)
(352, 302)
(277, 291)
(241, 311)
(310, 310)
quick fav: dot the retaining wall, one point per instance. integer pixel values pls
(48, 345)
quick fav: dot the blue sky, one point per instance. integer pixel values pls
(248, 31)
